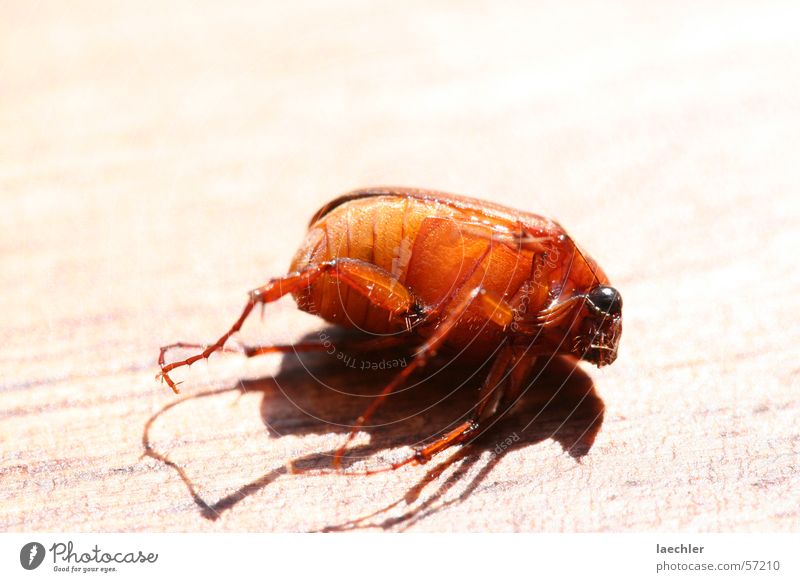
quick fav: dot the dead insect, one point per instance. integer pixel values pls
(436, 271)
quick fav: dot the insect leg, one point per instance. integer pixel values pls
(490, 392)
(186, 345)
(355, 345)
(379, 286)
(494, 308)
(501, 390)
(358, 345)
(521, 239)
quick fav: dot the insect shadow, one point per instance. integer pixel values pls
(321, 393)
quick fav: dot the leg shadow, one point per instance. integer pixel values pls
(560, 404)
(323, 393)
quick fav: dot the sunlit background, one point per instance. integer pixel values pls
(157, 160)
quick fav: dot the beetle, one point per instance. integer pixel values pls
(436, 271)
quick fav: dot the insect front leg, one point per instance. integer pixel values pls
(492, 306)
(501, 390)
(488, 395)
(379, 286)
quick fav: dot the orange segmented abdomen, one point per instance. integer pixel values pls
(433, 249)
(380, 231)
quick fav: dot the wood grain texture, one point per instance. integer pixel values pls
(156, 162)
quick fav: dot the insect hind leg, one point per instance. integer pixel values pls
(359, 345)
(379, 286)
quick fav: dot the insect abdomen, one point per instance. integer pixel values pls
(380, 231)
(431, 248)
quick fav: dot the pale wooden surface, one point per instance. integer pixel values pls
(156, 163)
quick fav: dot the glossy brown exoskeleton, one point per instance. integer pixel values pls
(442, 272)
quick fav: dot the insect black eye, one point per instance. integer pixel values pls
(606, 300)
